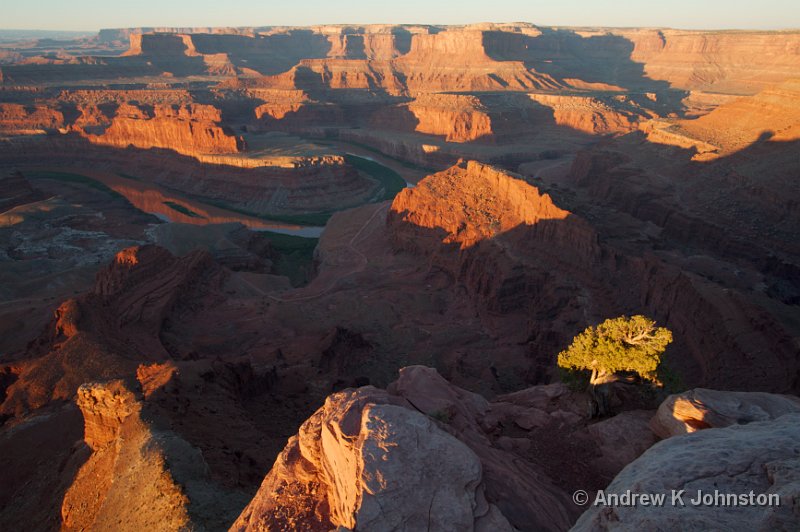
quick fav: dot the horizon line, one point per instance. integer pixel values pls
(257, 26)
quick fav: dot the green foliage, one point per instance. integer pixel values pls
(295, 256)
(392, 181)
(442, 416)
(403, 162)
(576, 379)
(632, 344)
(670, 380)
(68, 177)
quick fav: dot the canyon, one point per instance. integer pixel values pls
(317, 278)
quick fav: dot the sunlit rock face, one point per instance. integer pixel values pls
(725, 61)
(700, 409)
(139, 475)
(363, 462)
(491, 230)
(688, 59)
(189, 130)
(773, 114)
(416, 456)
(591, 115)
(127, 464)
(474, 214)
(471, 202)
(18, 118)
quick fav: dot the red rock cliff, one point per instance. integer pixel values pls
(491, 230)
(17, 117)
(188, 129)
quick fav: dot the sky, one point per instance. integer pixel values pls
(85, 15)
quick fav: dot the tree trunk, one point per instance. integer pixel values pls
(599, 391)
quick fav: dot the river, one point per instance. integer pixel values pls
(173, 207)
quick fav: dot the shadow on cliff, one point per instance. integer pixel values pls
(122, 70)
(564, 54)
(515, 116)
(741, 207)
(40, 459)
(560, 276)
(547, 277)
(728, 223)
(266, 54)
(510, 118)
(343, 108)
(232, 185)
(492, 119)
(402, 39)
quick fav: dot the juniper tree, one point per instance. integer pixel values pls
(623, 344)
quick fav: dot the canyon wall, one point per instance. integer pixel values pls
(773, 113)
(738, 62)
(591, 115)
(457, 118)
(21, 118)
(189, 130)
(514, 250)
(285, 186)
(186, 374)
(467, 58)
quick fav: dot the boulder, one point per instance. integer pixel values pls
(701, 408)
(739, 462)
(622, 439)
(525, 494)
(363, 461)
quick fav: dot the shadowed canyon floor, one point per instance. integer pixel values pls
(305, 278)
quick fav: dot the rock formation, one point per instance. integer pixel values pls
(188, 130)
(701, 409)
(591, 115)
(137, 476)
(420, 454)
(772, 114)
(687, 59)
(457, 118)
(503, 240)
(106, 333)
(15, 190)
(490, 56)
(759, 458)
(241, 186)
(720, 61)
(20, 118)
(471, 219)
(364, 462)
(470, 202)
(121, 468)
